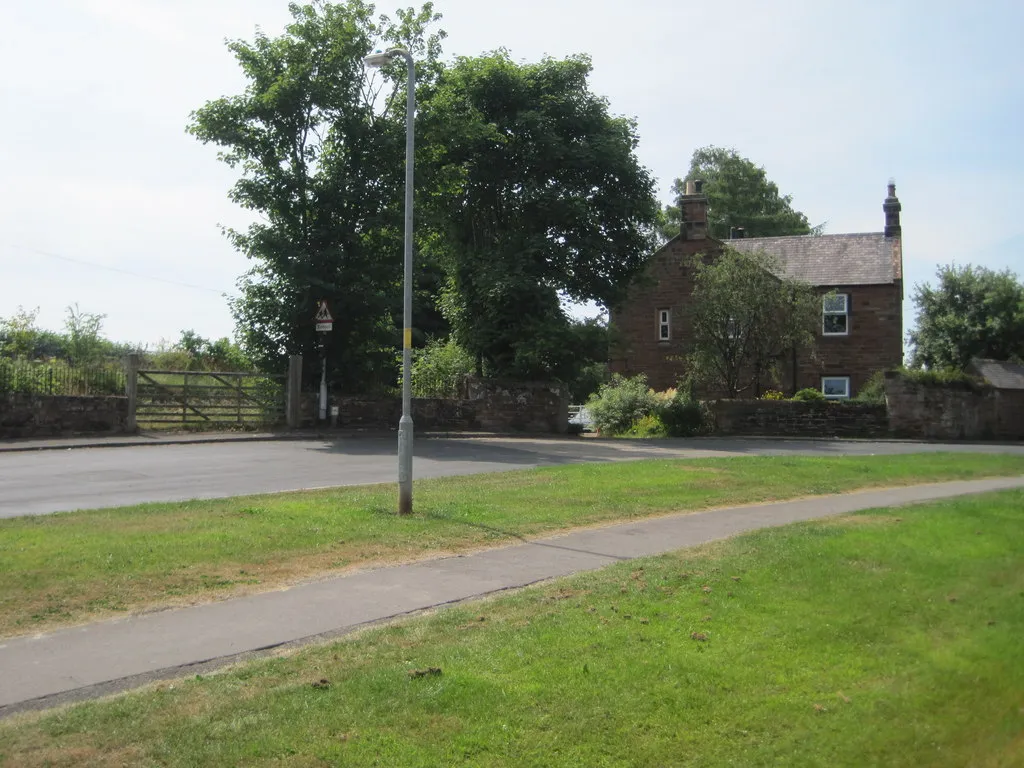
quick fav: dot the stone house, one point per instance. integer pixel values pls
(861, 328)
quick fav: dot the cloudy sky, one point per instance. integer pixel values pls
(107, 203)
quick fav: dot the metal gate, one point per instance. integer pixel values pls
(209, 399)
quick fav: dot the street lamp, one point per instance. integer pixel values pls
(375, 60)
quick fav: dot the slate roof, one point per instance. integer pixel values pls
(860, 259)
(999, 374)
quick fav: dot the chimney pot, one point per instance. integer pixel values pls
(698, 186)
(691, 188)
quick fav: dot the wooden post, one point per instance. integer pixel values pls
(131, 390)
(293, 402)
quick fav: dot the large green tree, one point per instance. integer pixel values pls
(740, 194)
(745, 319)
(319, 147)
(972, 312)
(536, 194)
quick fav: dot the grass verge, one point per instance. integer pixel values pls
(80, 566)
(890, 637)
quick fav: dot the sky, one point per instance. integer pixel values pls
(107, 203)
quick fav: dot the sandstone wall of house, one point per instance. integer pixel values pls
(874, 342)
(924, 411)
(57, 416)
(787, 418)
(488, 405)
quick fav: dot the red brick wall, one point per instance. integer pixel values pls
(666, 284)
(875, 340)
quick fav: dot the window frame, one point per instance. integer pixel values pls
(663, 325)
(827, 313)
(849, 387)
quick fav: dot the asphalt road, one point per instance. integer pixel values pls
(84, 478)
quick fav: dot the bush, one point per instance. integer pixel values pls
(810, 395)
(873, 392)
(648, 426)
(620, 403)
(682, 414)
(439, 369)
(949, 377)
(772, 394)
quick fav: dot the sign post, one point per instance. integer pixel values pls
(324, 325)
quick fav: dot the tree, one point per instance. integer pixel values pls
(745, 318)
(320, 149)
(739, 195)
(973, 312)
(535, 192)
(84, 345)
(19, 333)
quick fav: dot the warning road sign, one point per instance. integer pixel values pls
(323, 314)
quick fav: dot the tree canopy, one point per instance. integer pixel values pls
(320, 149)
(739, 194)
(972, 312)
(745, 318)
(535, 193)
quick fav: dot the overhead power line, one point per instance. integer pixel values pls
(129, 272)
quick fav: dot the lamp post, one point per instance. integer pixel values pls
(405, 426)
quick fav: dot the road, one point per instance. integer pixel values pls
(85, 478)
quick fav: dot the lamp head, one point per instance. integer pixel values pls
(378, 59)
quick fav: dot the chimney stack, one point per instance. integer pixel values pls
(693, 206)
(892, 209)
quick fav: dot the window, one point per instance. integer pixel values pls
(835, 315)
(664, 324)
(835, 387)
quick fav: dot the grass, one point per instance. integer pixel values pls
(75, 567)
(890, 637)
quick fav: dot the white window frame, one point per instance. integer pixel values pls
(827, 313)
(844, 379)
(664, 324)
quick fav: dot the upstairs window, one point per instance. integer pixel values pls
(664, 324)
(835, 315)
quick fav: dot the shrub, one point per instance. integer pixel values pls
(772, 394)
(810, 395)
(650, 425)
(949, 377)
(873, 392)
(682, 414)
(439, 369)
(620, 403)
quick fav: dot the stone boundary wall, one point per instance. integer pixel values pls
(953, 412)
(789, 418)
(57, 416)
(487, 405)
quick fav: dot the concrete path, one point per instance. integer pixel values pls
(41, 482)
(46, 670)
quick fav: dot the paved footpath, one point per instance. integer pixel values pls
(85, 662)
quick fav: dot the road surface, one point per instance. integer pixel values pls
(86, 478)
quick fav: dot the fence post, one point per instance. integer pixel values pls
(131, 389)
(293, 415)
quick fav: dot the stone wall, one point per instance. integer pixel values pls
(953, 411)
(788, 418)
(54, 416)
(490, 406)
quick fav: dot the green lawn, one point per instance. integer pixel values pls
(891, 637)
(81, 566)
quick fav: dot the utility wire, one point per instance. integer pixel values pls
(115, 269)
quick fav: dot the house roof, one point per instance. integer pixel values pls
(869, 258)
(1000, 374)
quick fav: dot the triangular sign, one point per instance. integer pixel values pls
(323, 314)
